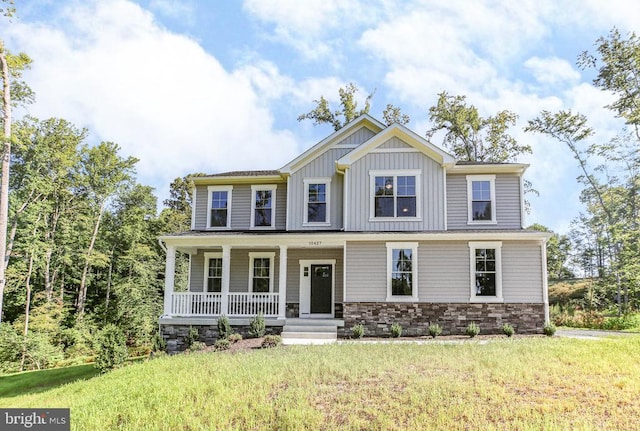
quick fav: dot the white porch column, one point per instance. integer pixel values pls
(169, 279)
(226, 275)
(282, 284)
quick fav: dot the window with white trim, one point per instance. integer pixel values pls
(263, 206)
(212, 272)
(219, 206)
(402, 271)
(261, 272)
(316, 200)
(395, 194)
(486, 271)
(481, 199)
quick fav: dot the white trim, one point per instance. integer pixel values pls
(344, 272)
(258, 255)
(394, 150)
(445, 203)
(545, 283)
(345, 199)
(289, 210)
(305, 286)
(417, 173)
(263, 187)
(414, 269)
(207, 256)
(193, 207)
(473, 246)
(169, 278)
(522, 210)
(305, 208)
(282, 282)
(492, 188)
(210, 190)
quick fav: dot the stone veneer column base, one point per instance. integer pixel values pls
(453, 318)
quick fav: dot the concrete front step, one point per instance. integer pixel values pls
(310, 331)
(307, 341)
(309, 335)
(302, 328)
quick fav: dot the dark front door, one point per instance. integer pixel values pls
(321, 286)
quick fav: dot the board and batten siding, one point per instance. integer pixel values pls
(431, 192)
(508, 203)
(293, 270)
(241, 197)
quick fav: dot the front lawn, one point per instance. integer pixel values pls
(527, 383)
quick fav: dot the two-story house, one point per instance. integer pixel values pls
(372, 225)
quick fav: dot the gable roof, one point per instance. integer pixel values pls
(364, 120)
(406, 135)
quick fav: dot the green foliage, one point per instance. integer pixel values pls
(192, 336)
(221, 344)
(224, 327)
(508, 330)
(435, 330)
(197, 346)
(348, 111)
(158, 344)
(393, 114)
(234, 338)
(357, 331)
(112, 348)
(472, 329)
(257, 326)
(549, 329)
(396, 330)
(271, 341)
(10, 348)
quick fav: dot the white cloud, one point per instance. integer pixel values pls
(111, 68)
(552, 70)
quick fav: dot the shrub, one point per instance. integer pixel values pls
(192, 336)
(357, 331)
(271, 341)
(472, 330)
(221, 344)
(549, 329)
(396, 330)
(234, 338)
(158, 344)
(435, 330)
(224, 327)
(257, 326)
(197, 346)
(112, 348)
(508, 330)
(618, 323)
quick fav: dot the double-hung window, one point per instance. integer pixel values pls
(261, 272)
(213, 272)
(395, 194)
(219, 207)
(316, 200)
(481, 199)
(402, 271)
(263, 206)
(486, 271)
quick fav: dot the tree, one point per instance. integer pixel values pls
(558, 252)
(393, 114)
(348, 111)
(473, 138)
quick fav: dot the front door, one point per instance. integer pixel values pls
(321, 289)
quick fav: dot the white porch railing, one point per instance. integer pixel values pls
(213, 304)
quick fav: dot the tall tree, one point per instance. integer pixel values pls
(348, 111)
(393, 114)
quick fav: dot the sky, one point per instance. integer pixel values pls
(211, 86)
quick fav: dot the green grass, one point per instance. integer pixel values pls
(524, 384)
(40, 381)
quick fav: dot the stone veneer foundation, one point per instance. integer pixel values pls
(176, 335)
(415, 318)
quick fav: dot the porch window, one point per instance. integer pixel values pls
(395, 194)
(219, 204)
(213, 272)
(261, 272)
(263, 206)
(486, 271)
(402, 262)
(317, 200)
(481, 201)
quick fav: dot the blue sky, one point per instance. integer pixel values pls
(210, 86)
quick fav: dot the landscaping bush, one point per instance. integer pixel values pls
(158, 344)
(549, 329)
(257, 327)
(472, 330)
(196, 346)
(508, 330)
(357, 331)
(396, 330)
(224, 327)
(435, 330)
(112, 348)
(619, 323)
(234, 338)
(192, 336)
(221, 344)
(271, 341)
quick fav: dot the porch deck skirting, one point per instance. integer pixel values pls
(453, 318)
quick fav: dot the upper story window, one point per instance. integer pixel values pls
(261, 272)
(402, 275)
(486, 271)
(213, 272)
(219, 207)
(395, 194)
(263, 206)
(481, 199)
(316, 201)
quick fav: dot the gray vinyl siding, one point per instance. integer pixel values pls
(508, 203)
(366, 278)
(323, 166)
(196, 274)
(443, 272)
(395, 143)
(293, 270)
(522, 272)
(431, 197)
(241, 196)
